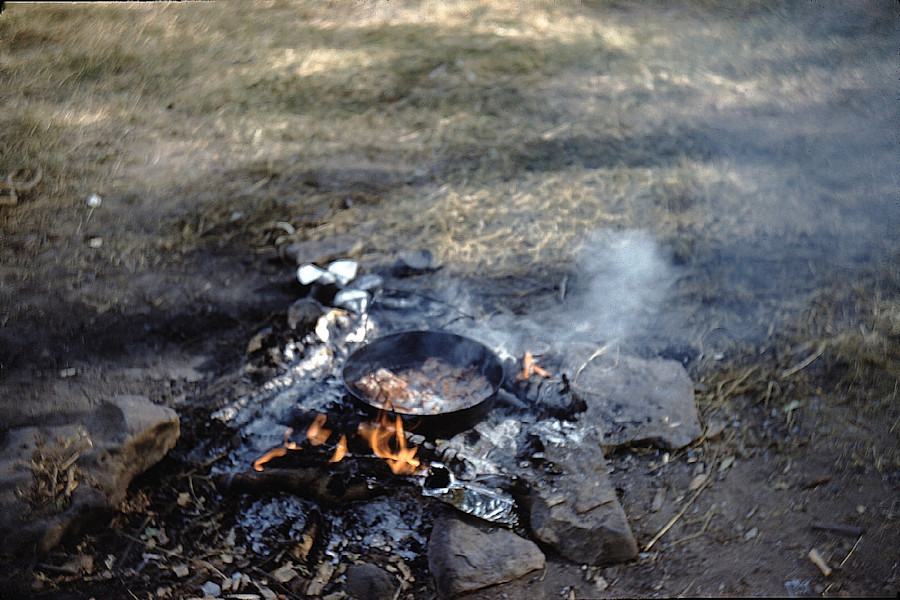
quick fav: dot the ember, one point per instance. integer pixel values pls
(434, 387)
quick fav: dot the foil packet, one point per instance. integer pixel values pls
(490, 504)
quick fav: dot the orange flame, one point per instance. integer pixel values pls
(317, 434)
(276, 452)
(529, 368)
(380, 434)
(341, 450)
(383, 436)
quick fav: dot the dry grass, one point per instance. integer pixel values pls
(458, 103)
(56, 473)
(835, 374)
(454, 95)
(497, 135)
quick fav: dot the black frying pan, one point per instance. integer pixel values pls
(410, 349)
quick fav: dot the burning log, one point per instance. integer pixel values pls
(334, 484)
(313, 469)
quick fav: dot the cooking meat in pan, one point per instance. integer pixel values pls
(433, 387)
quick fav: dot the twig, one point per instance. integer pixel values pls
(58, 570)
(398, 591)
(847, 530)
(258, 185)
(812, 483)
(806, 362)
(858, 540)
(680, 514)
(697, 534)
(842, 563)
(585, 364)
(734, 384)
(133, 539)
(209, 566)
(271, 578)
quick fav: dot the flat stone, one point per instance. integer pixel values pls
(463, 558)
(572, 504)
(634, 400)
(53, 479)
(131, 434)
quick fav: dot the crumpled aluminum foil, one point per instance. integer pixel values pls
(486, 503)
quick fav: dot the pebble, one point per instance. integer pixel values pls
(344, 270)
(307, 274)
(211, 589)
(181, 570)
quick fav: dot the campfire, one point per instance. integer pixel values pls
(386, 439)
(372, 404)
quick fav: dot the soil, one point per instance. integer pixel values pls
(173, 321)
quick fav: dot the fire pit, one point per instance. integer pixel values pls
(380, 399)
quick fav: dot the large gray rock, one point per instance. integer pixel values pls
(634, 400)
(463, 558)
(572, 504)
(52, 479)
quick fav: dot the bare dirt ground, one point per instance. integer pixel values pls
(756, 144)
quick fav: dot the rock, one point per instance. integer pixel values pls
(572, 505)
(344, 271)
(324, 251)
(634, 400)
(131, 434)
(308, 274)
(463, 558)
(356, 301)
(369, 582)
(303, 314)
(411, 262)
(368, 282)
(211, 589)
(53, 479)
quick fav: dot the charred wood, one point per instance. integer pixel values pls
(547, 398)
(330, 485)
